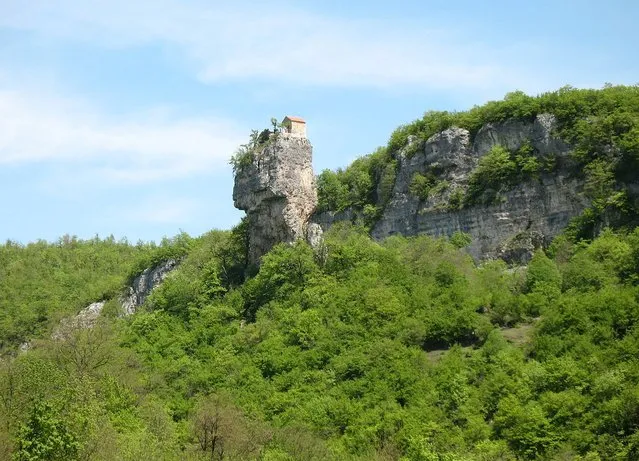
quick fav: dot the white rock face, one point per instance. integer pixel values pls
(532, 213)
(141, 288)
(86, 318)
(144, 284)
(277, 191)
(314, 235)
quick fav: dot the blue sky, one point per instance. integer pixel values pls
(119, 116)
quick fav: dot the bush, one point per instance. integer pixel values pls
(542, 271)
(495, 172)
(421, 185)
(460, 239)
(44, 436)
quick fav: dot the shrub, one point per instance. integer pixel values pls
(421, 185)
(460, 239)
(456, 199)
(542, 270)
(44, 436)
(495, 171)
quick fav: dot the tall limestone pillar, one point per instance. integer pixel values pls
(277, 191)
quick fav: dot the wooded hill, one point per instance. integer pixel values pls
(401, 349)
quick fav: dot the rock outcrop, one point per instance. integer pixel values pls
(86, 318)
(144, 284)
(527, 216)
(135, 296)
(277, 191)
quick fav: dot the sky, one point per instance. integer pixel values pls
(119, 117)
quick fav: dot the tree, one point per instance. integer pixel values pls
(496, 171)
(222, 431)
(45, 437)
(525, 427)
(275, 124)
(84, 350)
(542, 271)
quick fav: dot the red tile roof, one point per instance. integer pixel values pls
(292, 118)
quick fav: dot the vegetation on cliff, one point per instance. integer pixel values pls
(602, 126)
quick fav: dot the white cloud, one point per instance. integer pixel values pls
(143, 147)
(273, 42)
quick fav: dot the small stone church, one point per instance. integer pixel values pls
(295, 126)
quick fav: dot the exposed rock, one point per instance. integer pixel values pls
(448, 151)
(141, 288)
(541, 207)
(314, 234)
(277, 191)
(326, 219)
(521, 248)
(144, 283)
(526, 217)
(511, 134)
(86, 318)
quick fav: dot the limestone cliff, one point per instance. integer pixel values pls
(275, 185)
(527, 216)
(277, 191)
(144, 284)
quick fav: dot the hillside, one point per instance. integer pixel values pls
(399, 347)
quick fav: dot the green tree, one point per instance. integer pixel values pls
(525, 427)
(542, 271)
(44, 437)
(460, 239)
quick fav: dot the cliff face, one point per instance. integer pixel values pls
(277, 191)
(528, 215)
(144, 284)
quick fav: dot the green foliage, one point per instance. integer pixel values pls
(45, 437)
(528, 165)
(395, 349)
(494, 173)
(170, 248)
(367, 181)
(245, 154)
(242, 158)
(460, 239)
(332, 192)
(42, 282)
(402, 349)
(542, 272)
(500, 170)
(525, 427)
(421, 185)
(456, 199)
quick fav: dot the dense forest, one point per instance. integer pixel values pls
(404, 349)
